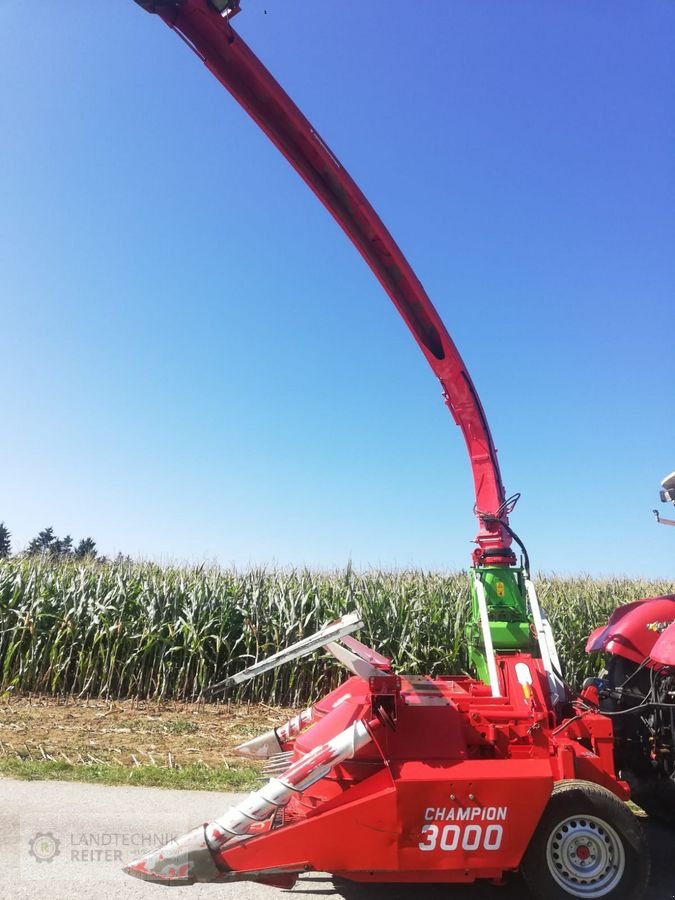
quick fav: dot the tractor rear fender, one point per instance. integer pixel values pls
(663, 651)
(634, 629)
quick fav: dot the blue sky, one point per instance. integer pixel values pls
(196, 364)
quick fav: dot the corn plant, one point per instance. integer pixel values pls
(125, 629)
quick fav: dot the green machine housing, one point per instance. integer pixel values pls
(511, 625)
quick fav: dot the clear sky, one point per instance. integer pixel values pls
(196, 364)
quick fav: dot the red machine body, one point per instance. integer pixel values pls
(436, 795)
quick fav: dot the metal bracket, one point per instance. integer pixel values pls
(355, 664)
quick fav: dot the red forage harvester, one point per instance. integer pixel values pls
(402, 778)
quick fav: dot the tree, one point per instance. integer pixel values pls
(86, 549)
(5, 541)
(62, 546)
(43, 543)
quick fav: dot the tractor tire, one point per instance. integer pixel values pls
(587, 844)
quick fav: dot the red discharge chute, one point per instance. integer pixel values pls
(227, 56)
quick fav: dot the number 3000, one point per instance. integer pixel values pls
(469, 837)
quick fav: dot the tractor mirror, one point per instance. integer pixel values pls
(668, 488)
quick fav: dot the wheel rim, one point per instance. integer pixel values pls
(585, 856)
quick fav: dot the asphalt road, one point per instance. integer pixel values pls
(86, 832)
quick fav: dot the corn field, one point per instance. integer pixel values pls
(125, 630)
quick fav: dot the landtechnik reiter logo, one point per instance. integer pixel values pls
(43, 847)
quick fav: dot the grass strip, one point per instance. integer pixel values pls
(193, 777)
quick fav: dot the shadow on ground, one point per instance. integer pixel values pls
(661, 885)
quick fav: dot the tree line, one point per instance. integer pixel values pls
(47, 543)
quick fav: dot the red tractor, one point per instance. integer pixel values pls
(401, 778)
(638, 691)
